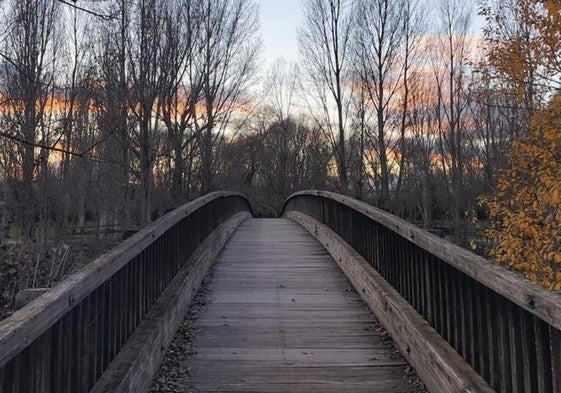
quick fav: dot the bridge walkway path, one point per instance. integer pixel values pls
(282, 317)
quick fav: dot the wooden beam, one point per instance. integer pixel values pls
(438, 365)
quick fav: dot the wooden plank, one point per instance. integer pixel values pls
(294, 324)
(248, 373)
(307, 357)
(440, 367)
(250, 338)
(307, 387)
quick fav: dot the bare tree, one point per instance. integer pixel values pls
(114, 201)
(379, 42)
(414, 26)
(359, 141)
(28, 84)
(421, 148)
(325, 51)
(281, 88)
(227, 66)
(180, 91)
(77, 130)
(450, 66)
(293, 157)
(144, 49)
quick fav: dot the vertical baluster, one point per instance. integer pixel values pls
(528, 352)
(493, 360)
(446, 302)
(21, 381)
(112, 322)
(38, 366)
(406, 268)
(471, 335)
(134, 285)
(412, 293)
(2, 371)
(124, 288)
(394, 254)
(77, 353)
(85, 332)
(543, 356)
(481, 340)
(56, 357)
(423, 307)
(418, 277)
(516, 361)
(390, 256)
(430, 293)
(9, 379)
(131, 297)
(119, 322)
(462, 311)
(400, 277)
(139, 283)
(383, 252)
(144, 294)
(3, 379)
(68, 356)
(555, 349)
(504, 347)
(409, 256)
(150, 273)
(97, 328)
(441, 321)
(453, 311)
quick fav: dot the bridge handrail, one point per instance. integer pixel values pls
(471, 297)
(532, 297)
(29, 324)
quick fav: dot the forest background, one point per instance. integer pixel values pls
(114, 112)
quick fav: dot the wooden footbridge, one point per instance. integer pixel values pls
(294, 306)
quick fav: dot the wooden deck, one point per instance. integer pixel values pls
(283, 318)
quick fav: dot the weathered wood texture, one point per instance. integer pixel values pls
(437, 363)
(505, 327)
(136, 364)
(65, 339)
(283, 318)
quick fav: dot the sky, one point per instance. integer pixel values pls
(280, 20)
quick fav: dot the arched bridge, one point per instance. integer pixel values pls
(289, 309)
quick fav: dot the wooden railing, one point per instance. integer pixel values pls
(507, 328)
(64, 340)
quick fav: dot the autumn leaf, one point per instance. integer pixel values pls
(525, 206)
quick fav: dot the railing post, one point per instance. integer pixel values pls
(555, 349)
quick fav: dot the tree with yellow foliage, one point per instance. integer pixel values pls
(526, 205)
(523, 50)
